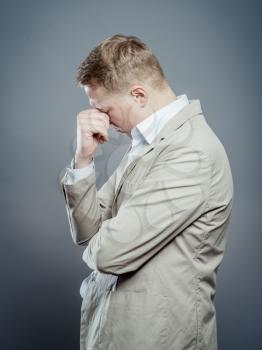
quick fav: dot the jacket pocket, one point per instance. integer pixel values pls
(135, 320)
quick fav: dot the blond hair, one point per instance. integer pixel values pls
(119, 61)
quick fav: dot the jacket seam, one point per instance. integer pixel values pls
(198, 331)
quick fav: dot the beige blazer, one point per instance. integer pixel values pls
(161, 236)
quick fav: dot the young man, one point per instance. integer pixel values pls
(155, 232)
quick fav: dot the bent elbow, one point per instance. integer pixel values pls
(106, 263)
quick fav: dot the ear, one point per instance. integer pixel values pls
(139, 94)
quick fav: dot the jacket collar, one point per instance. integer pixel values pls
(148, 128)
(189, 111)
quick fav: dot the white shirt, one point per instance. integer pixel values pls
(143, 133)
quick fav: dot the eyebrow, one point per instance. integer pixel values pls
(102, 109)
(94, 106)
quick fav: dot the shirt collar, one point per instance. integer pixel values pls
(148, 128)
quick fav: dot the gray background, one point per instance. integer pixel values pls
(209, 50)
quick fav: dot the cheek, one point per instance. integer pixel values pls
(120, 114)
(113, 119)
(115, 116)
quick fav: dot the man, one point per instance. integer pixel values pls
(155, 232)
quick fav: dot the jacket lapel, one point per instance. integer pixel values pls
(189, 111)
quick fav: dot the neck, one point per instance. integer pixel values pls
(157, 100)
(161, 100)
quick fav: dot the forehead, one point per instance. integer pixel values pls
(96, 95)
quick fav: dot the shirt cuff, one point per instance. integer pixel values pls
(73, 175)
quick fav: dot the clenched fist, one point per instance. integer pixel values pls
(92, 127)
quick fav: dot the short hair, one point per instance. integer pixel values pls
(119, 61)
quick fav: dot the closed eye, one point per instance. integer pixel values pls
(101, 110)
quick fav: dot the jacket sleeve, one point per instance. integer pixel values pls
(86, 206)
(77, 174)
(170, 198)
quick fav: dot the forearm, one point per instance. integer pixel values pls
(86, 206)
(83, 208)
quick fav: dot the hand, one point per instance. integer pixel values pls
(92, 128)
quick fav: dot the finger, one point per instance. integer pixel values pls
(105, 118)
